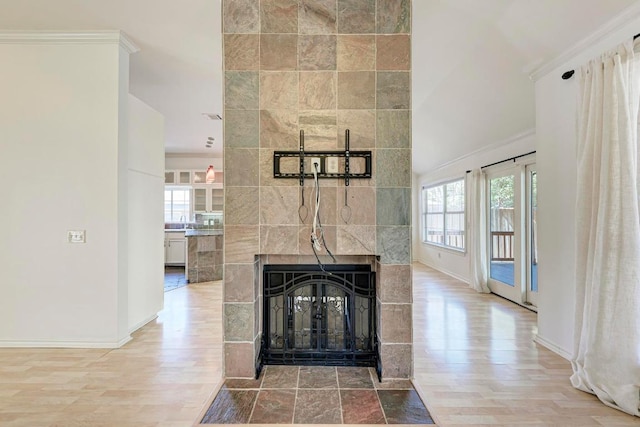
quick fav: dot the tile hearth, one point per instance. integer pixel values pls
(317, 395)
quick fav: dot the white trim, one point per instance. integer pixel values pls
(509, 140)
(64, 344)
(552, 347)
(69, 37)
(140, 324)
(625, 17)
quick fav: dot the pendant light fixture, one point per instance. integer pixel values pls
(211, 175)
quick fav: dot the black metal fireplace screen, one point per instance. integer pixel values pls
(315, 317)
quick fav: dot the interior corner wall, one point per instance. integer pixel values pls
(59, 136)
(455, 263)
(556, 106)
(145, 213)
(122, 291)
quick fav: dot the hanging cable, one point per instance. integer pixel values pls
(317, 232)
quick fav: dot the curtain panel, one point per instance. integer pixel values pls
(478, 237)
(606, 359)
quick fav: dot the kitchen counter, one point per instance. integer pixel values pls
(203, 232)
(205, 254)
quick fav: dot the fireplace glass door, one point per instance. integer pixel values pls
(319, 318)
(313, 317)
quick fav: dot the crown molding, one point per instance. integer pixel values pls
(501, 143)
(69, 37)
(628, 15)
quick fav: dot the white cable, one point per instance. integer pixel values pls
(315, 241)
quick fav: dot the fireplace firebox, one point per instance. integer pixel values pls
(316, 316)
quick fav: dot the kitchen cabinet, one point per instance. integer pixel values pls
(217, 199)
(207, 198)
(177, 177)
(175, 248)
(200, 177)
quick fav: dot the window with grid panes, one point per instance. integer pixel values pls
(443, 215)
(177, 204)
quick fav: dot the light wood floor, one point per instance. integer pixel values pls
(163, 377)
(475, 364)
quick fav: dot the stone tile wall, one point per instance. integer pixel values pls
(322, 66)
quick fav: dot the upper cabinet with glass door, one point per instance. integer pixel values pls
(177, 177)
(199, 177)
(207, 199)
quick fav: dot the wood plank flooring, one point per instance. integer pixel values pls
(163, 377)
(475, 364)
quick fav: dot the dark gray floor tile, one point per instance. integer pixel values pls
(404, 407)
(231, 407)
(361, 407)
(318, 407)
(280, 377)
(317, 377)
(274, 407)
(353, 377)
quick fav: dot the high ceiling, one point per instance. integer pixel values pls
(178, 70)
(471, 62)
(471, 65)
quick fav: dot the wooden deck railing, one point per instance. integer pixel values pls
(455, 239)
(502, 246)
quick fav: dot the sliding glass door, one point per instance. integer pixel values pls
(512, 238)
(503, 238)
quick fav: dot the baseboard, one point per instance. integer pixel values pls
(448, 273)
(64, 344)
(142, 323)
(552, 347)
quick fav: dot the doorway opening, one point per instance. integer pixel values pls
(174, 277)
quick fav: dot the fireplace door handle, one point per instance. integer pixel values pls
(318, 315)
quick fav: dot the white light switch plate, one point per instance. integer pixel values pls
(76, 236)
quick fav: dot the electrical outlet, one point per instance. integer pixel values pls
(332, 165)
(318, 161)
(76, 236)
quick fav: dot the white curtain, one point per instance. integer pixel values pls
(607, 335)
(478, 235)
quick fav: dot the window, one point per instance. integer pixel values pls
(177, 204)
(443, 215)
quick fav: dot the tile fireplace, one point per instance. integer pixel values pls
(322, 67)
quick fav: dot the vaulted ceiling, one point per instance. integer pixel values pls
(471, 65)
(471, 62)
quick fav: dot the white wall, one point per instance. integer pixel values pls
(452, 262)
(145, 215)
(61, 166)
(192, 162)
(556, 161)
